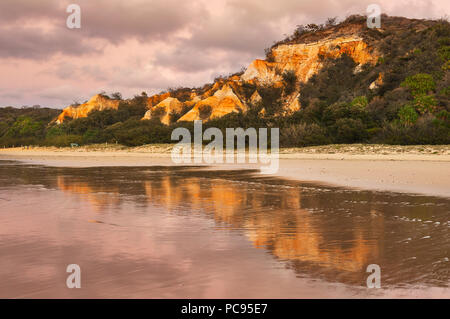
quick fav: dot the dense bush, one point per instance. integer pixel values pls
(290, 81)
(427, 130)
(303, 135)
(271, 99)
(204, 111)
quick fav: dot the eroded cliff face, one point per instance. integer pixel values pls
(306, 59)
(164, 109)
(156, 99)
(226, 95)
(96, 103)
(224, 101)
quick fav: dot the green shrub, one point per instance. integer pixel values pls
(426, 130)
(419, 84)
(408, 115)
(359, 102)
(425, 104)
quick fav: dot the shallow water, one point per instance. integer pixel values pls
(186, 232)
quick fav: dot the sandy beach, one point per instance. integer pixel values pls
(410, 169)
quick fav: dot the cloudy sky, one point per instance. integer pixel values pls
(149, 45)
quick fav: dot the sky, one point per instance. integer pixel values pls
(150, 45)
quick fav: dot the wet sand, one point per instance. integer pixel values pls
(399, 169)
(181, 232)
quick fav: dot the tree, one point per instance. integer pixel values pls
(299, 30)
(24, 126)
(312, 27)
(331, 22)
(116, 96)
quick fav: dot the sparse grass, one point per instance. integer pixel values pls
(351, 149)
(360, 149)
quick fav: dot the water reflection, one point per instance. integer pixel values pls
(319, 232)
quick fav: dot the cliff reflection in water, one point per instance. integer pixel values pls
(318, 231)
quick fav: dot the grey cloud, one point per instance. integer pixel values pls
(189, 59)
(65, 70)
(95, 72)
(29, 11)
(128, 78)
(110, 20)
(243, 26)
(35, 43)
(117, 20)
(213, 40)
(10, 95)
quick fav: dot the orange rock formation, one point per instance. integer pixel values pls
(165, 108)
(223, 102)
(225, 96)
(96, 103)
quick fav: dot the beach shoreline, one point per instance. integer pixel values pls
(407, 169)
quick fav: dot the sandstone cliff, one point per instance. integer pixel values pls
(227, 95)
(306, 59)
(164, 109)
(224, 101)
(97, 102)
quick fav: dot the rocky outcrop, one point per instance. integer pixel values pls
(164, 109)
(96, 103)
(306, 59)
(255, 98)
(377, 83)
(227, 95)
(223, 102)
(293, 104)
(157, 98)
